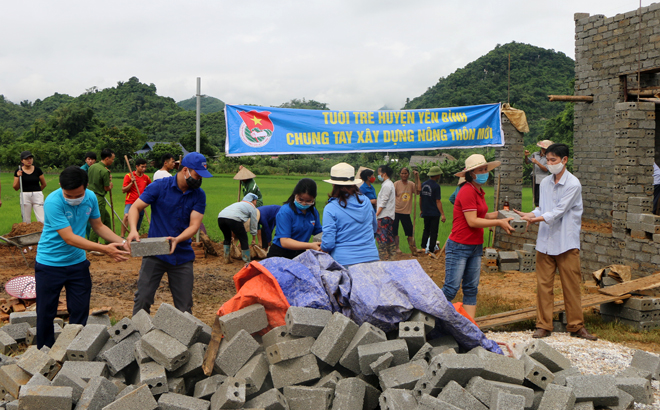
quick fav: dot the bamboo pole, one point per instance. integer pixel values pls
(497, 204)
(571, 98)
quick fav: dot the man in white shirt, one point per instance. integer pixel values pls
(656, 188)
(385, 213)
(168, 165)
(558, 244)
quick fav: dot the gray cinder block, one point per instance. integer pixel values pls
(529, 247)
(121, 355)
(547, 356)
(142, 322)
(87, 343)
(397, 399)
(500, 368)
(173, 401)
(526, 392)
(59, 348)
(68, 379)
(140, 355)
(176, 385)
(301, 321)
(308, 398)
(634, 372)
(560, 376)
(204, 389)
(334, 339)
(366, 334)
(289, 349)
(17, 331)
(177, 324)
(122, 330)
(12, 378)
(35, 361)
(103, 319)
(38, 380)
(204, 335)
(235, 352)
(457, 396)
(276, 335)
(251, 319)
(517, 223)
(271, 399)
(557, 398)
(369, 353)
(254, 373)
(537, 374)
(419, 316)
(480, 388)
(502, 400)
(295, 371)
(371, 394)
(153, 375)
(45, 397)
(165, 350)
(404, 376)
(29, 317)
(599, 389)
(7, 344)
(230, 394)
(330, 380)
(31, 337)
(193, 367)
(646, 361)
(140, 398)
(638, 387)
(447, 367)
(414, 334)
(443, 343)
(382, 363)
(98, 393)
(150, 247)
(86, 370)
(349, 394)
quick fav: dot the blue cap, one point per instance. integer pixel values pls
(250, 197)
(196, 162)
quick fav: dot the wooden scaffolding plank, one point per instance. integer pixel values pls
(647, 282)
(519, 315)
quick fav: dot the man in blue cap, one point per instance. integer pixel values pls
(177, 208)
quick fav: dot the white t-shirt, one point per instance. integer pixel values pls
(161, 174)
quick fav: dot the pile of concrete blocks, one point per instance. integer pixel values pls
(490, 260)
(317, 360)
(517, 223)
(638, 312)
(520, 260)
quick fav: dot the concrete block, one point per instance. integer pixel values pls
(517, 223)
(35, 361)
(414, 334)
(251, 319)
(504, 267)
(330, 380)
(490, 253)
(529, 247)
(122, 330)
(424, 353)
(165, 349)
(501, 400)
(271, 400)
(204, 389)
(457, 396)
(500, 368)
(646, 361)
(508, 257)
(173, 401)
(404, 376)
(526, 392)
(107, 346)
(68, 379)
(98, 393)
(369, 353)
(140, 355)
(140, 398)
(45, 398)
(153, 375)
(349, 394)
(176, 385)
(88, 343)
(150, 247)
(235, 352)
(103, 319)
(382, 363)
(641, 303)
(254, 373)
(230, 395)
(276, 335)
(126, 390)
(295, 371)
(59, 348)
(635, 372)
(12, 405)
(176, 324)
(334, 339)
(122, 354)
(29, 317)
(371, 394)
(86, 370)
(457, 367)
(480, 388)
(38, 380)
(537, 374)
(625, 401)
(638, 387)
(366, 334)
(599, 389)
(12, 378)
(585, 405)
(204, 335)
(142, 322)
(7, 344)
(308, 398)
(547, 356)
(443, 343)
(193, 367)
(429, 320)
(289, 349)
(560, 376)
(301, 321)
(397, 399)
(31, 337)
(428, 402)
(17, 331)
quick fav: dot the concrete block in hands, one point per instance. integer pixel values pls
(150, 247)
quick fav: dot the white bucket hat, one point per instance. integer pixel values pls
(343, 174)
(544, 144)
(475, 161)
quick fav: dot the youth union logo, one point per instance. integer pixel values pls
(256, 129)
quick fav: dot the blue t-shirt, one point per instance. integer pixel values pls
(296, 225)
(368, 191)
(170, 215)
(429, 194)
(52, 249)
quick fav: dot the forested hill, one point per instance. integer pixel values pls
(208, 104)
(535, 73)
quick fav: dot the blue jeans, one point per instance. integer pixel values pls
(127, 208)
(462, 264)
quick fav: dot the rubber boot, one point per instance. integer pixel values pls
(227, 253)
(411, 244)
(246, 256)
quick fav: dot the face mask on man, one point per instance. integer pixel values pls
(193, 183)
(380, 178)
(555, 168)
(74, 201)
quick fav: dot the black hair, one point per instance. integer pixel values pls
(342, 192)
(140, 161)
(407, 170)
(304, 186)
(106, 153)
(468, 177)
(560, 150)
(387, 170)
(73, 177)
(165, 157)
(91, 155)
(366, 174)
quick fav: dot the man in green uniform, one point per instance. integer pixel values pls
(100, 182)
(249, 186)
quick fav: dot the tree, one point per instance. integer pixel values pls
(161, 149)
(304, 104)
(189, 142)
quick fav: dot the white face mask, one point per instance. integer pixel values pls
(555, 168)
(75, 201)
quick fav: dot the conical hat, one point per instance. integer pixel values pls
(244, 174)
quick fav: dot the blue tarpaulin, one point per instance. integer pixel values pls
(381, 293)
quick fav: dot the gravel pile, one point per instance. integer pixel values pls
(599, 357)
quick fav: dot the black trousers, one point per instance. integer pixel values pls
(283, 252)
(431, 226)
(227, 226)
(656, 195)
(536, 194)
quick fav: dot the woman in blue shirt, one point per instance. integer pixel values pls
(296, 221)
(367, 189)
(349, 220)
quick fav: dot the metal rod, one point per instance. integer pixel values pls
(20, 180)
(508, 87)
(114, 212)
(639, 52)
(198, 128)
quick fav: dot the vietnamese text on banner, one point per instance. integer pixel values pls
(255, 130)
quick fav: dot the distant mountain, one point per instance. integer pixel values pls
(535, 73)
(208, 104)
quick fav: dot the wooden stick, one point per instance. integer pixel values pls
(497, 203)
(112, 208)
(130, 171)
(212, 350)
(572, 98)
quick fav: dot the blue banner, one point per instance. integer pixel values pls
(271, 131)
